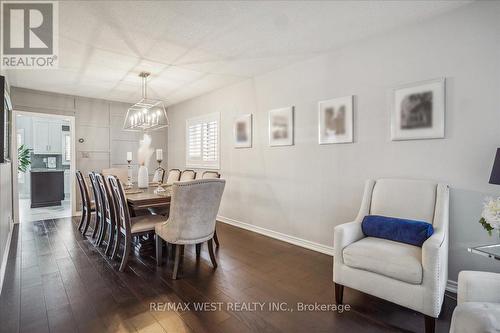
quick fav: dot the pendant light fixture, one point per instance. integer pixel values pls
(147, 114)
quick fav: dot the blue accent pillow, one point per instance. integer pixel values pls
(399, 230)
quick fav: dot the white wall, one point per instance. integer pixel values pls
(307, 189)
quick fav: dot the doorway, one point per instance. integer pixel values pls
(43, 166)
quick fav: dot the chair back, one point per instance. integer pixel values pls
(402, 198)
(120, 201)
(173, 176)
(187, 175)
(193, 211)
(84, 192)
(99, 207)
(159, 175)
(107, 199)
(121, 173)
(210, 175)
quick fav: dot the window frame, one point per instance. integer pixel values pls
(200, 164)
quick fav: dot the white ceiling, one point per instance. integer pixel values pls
(195, 47)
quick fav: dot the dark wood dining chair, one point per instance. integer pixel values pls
(173, 176)
(187, 175)
(109, 220)
(212, 175)
(128, 227)
(88, 207)
(99, 210)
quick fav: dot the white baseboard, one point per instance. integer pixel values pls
(278, 235)
(452, 286)
(5, 257)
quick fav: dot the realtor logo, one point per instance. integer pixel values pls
(29, 34)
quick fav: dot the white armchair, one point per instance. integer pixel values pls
(404, 274)
(478, 303)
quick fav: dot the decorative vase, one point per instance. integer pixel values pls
(143, 177)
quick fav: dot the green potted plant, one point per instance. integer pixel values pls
(23, 156)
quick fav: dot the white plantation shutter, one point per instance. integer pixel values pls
(202, 142)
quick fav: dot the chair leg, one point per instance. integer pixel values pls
(82, 220)
(211, 253)
(216, 239)
(430, 324)
(339, 293)
(198, 251)
(117, 243)
(111, 238)
(102, 232)
(159, 246)
(96, 225)
(126, 253)
(88, 217)
(177, 260)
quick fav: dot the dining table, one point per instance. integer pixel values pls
(140, 199)
(144, 198)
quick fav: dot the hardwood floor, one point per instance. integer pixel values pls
(57, 281)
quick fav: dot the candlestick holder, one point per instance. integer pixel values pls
(130, 182)
(159, 174)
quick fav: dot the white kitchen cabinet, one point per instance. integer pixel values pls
(40, 137)
(47, 137)
(55, 138)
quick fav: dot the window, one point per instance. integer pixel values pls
(66, 148)
(202, 142)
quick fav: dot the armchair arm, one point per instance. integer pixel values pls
(435, 255)
(344, 235)
(478, 287)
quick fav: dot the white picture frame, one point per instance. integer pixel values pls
(242, 131)
(336, 120)
(281, 127)
(418, 110)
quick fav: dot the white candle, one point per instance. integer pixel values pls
(129, 156)
(159, 155)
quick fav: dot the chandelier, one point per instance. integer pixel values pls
(147, 114)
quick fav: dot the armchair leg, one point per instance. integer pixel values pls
(159, 245)
(339, 293)
(430, 324)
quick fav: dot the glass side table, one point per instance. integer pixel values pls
(490, 251)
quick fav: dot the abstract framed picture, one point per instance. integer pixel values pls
(336, 120)
(418, 111)
(281, 127)
(243, 131)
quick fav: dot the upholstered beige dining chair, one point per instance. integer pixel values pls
(212, 175)
(187, 175)
(193, 210)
